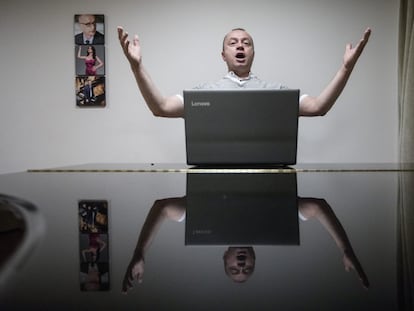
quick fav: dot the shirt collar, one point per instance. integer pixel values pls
(232, 75)
(86, 39)
(235, 78)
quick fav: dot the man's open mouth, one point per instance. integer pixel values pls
(241, 257)
(240, 55)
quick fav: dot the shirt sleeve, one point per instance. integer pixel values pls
(302, 97)
(302, 217)
(182, 217)
(180, 97)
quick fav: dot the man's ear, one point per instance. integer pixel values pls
(223, 56)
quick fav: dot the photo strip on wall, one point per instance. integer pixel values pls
(89, 36)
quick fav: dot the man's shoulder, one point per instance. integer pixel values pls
(79, 38)
(211, 85)
(99, 38)
(223, 83)
(99, 35)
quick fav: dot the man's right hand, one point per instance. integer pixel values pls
(132, 50)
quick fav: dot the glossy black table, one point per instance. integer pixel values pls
(208, 239)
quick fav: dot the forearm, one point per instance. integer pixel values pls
(331, 223)
(99, 65)
(330, 94)
(320, 209)
(170, 208)
(321, 104)
(102, 245)
(158, 104)
(155, 218)
(84, 255)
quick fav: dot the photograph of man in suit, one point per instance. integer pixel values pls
(86, 24)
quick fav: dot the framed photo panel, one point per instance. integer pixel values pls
(90, 91)
(90, 60)
(89, 29)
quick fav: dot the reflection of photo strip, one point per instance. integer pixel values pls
(90, 91)
(90, 60)
(93, 245)
(94, 262)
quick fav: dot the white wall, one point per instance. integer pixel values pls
(298, 43)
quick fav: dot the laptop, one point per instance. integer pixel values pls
(241, 127)
(241, 209)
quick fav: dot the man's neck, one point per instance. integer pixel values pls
(240, 77)
(242, 74)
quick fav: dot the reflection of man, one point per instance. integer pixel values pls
(89, 35)
(239, 262)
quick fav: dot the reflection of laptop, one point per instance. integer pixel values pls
(241, 127)
(241, 209)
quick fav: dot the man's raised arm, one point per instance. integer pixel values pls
(320, 105)
(161, 106)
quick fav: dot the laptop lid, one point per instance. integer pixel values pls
(241, 127)
(241, 209)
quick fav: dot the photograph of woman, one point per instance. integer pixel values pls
(91, 63)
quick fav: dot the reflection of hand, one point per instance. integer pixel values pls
(135, 271)
(351, 262)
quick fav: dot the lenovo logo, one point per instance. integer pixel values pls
(200, 104)
(202, 231)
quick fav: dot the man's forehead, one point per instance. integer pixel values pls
(87, 18)
(238, 33)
